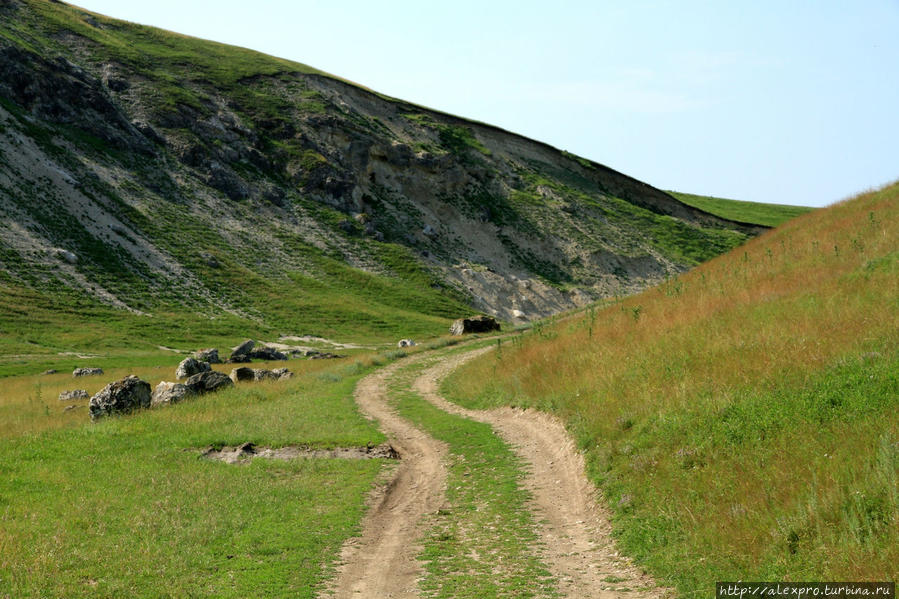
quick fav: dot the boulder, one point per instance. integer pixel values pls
(73, 395)
(266, 353)
(208, 381)
(242, 374)
(51, 371)
(282, 373)
(120, 397)
(191, 366)
(241, 353)
(406, 343)
(261, 374)
(475, 324)
(87, 372)
(210, 356)
(170, 393)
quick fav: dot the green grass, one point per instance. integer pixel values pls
(741, 419)
(484, 544)
(758, 213)
(113, 508)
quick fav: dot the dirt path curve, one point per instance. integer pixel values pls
(382, 563)
(574, 529)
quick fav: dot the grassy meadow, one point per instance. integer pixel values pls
(114, 508)
(741, 419)
(760, 213)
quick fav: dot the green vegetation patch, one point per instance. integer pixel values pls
(757, 213)
(113, 508)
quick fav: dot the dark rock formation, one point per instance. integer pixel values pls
(206, 382)
(241, 353)
(475, 324)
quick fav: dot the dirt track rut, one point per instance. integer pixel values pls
(574, 529)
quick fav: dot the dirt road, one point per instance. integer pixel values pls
(382, 563)
(574, 530)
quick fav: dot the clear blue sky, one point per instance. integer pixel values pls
(786, 101)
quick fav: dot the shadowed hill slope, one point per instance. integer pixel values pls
(156, 174)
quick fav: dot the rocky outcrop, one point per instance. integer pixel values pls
(475, 324)
(191, 366)
(87, 372)
(121, 397)
(170, 393)
(73, 395)
(206, 382)
(210, 356)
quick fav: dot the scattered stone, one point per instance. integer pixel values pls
(70, 408)
(242, 374)
(266, 353)
(170, 393)
(191, 366)
(73, 395)
(87, 372)
(475, 324)
(325, 356)
(46, 372)
(210, 356)
(206, 382)
(406, 343)
(120, 397)
(241, 353)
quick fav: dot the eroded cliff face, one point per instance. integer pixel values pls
(156, 171)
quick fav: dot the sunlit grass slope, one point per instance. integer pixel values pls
(742, 419)
(759, 213)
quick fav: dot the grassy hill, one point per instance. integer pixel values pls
(741, 418)
(770, 215)
(170, 190)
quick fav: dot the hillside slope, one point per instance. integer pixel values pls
(741, 418)
(151, 173)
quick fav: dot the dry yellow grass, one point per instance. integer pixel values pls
(742, 417)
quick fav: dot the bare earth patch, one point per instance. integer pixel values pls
(248, 451)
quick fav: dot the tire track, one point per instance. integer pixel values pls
(382, 562)
(575, 531)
